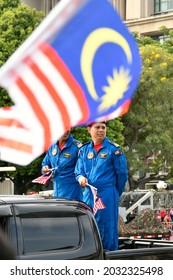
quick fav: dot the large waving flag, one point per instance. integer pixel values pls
(81, 64)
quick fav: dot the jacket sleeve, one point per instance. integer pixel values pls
(120, 165)
(79, 168)
(46, 160)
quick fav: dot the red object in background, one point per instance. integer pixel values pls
(163, 214)
(32, 192)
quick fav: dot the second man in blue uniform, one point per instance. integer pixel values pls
(62, 156)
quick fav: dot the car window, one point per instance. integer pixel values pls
(49, 233)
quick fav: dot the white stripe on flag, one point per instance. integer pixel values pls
(44, 100)
(24, 105)
(47, 104)
(60, 85)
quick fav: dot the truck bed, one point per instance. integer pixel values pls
(135, 249)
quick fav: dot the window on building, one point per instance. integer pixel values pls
(48, 5)
(163, 5)
(161, 38)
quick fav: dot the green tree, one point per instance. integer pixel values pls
(7, 4)
(168, 44)
(149, 122)
(17, 22)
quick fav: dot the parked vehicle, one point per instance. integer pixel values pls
(41, 228)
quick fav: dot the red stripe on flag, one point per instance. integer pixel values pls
(53, 92)
(98, 205)
(10, 122)
(37, 110)
(125, 107)
(68, 77)
(19, 146)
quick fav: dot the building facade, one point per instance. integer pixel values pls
(142, 16)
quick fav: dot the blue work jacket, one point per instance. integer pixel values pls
(64, 181)
(107, 171)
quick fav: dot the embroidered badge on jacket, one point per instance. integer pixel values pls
(103, 155)
(79, 145)
(118, 153)
(54, 152)
(66, 155)
(90, 155)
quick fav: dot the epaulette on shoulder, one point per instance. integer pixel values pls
(77, 143)
(115, 144)
(86, 143)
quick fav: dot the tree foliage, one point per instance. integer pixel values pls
(16, 24)
(7, 4)
(149, 123)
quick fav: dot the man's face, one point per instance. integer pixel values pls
(65, 136)
(98, 132)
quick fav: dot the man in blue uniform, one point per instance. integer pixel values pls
(62, 156)
(102, 164)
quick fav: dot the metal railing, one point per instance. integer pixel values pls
(140, 201)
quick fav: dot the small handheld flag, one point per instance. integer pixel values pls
(98, 203)
(43, 180)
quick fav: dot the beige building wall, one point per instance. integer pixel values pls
(34, 3)
(137, 14)
(133, 9)
(136, 9)
(150, 25)
(44, 5)
(120, 6)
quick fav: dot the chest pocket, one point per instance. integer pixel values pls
(65, 158)
(102, 159)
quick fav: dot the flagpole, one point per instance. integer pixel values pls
(91, 186)
(55, 20)
(51, 169)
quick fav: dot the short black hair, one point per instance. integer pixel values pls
(91, 123)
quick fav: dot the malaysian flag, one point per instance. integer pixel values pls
(98, 203)
(43, 180)
(58, 77)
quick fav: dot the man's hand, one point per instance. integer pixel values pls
(46, 169)
(83, 181)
